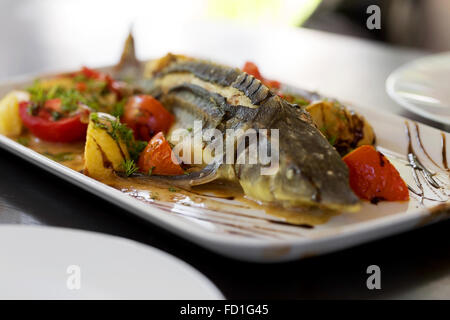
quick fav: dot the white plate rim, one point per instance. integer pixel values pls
(200, 277)
(390, 83)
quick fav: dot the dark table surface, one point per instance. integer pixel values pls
(415, 264)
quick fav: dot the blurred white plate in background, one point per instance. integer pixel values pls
(423, 87)
(50, 263)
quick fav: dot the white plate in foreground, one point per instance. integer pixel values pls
(238, 230)
(46, 263)
(423, 87)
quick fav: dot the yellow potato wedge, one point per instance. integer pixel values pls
(344, 128)
(103, 155)
(10, 122)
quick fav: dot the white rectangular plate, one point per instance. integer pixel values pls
(248, 234)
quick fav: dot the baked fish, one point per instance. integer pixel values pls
(310, 170)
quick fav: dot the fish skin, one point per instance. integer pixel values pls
(311, 171)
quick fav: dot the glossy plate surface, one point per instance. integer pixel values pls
(57, 263)
(239, 231)
(423, 87)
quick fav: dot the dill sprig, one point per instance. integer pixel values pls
(129, 167)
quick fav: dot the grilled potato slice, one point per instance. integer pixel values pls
(105, 150)
(344, 128)
(10, 122)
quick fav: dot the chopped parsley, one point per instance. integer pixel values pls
(332, 140)
(59, 157)
(24, 141)
(150, 171)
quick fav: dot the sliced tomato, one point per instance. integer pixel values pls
(68, 129)
(373, 177)
(146, 116)
(157, 158)
(252, 69)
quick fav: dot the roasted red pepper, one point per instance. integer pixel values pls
(373, 177)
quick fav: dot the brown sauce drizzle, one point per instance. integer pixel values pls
(444, 151)
(418, 168)
(419, 141)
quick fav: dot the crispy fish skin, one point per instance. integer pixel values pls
(310, 171)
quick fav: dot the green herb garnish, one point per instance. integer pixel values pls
(56, 115)
(24, 141)
(150, 171)
(59, 157)
(301, 101)
(129, 167)
(332, 140)
(172, 189)
(118, 108)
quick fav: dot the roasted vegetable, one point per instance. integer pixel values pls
(10, 122)
(373, 177)
(344, 129)
(45, 125)
(106, 146)
(146, 116)
(157, 158)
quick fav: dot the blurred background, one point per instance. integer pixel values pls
(321, 45)
(37, 35)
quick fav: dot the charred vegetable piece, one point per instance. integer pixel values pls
(10, 122)
(373, 177)
(344, 129)
(146, 116)
(310, 170)
(157, 158)
(106, 148)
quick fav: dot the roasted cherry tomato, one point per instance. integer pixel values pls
(146, 116)
(373, 177)
(253, 70)
(67, 129)
(157, 158)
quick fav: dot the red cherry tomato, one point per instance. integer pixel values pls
(65, 130)
(146, 116)
(157, 158)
